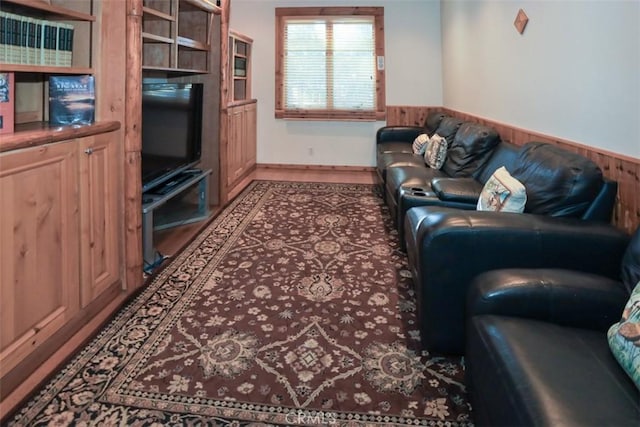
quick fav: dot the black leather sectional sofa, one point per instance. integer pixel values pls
(475, 152)
(526, 297)
(449, 242)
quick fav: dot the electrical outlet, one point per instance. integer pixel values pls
(311, 151)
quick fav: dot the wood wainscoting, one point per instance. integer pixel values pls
(623, 169)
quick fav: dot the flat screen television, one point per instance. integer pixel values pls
(171, 130)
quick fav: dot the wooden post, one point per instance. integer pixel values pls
(133, 144)
(224, 99)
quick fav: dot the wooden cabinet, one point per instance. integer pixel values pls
(100, 222)
(176, 35)
(240, 152)
(39, 288)
(240, 63)
(60, 236)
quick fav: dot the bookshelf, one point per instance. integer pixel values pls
(240, 62)
(176, 35)
(31, 79)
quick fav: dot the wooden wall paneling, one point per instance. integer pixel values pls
(624, 170)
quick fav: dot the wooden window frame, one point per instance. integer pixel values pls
(349, 115)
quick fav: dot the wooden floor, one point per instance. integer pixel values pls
(171, 241)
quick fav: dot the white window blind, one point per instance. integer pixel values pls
(330, 63)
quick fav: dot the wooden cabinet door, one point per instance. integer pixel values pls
(235, 163)
(99, 215)
(39, 289)
(249, 137)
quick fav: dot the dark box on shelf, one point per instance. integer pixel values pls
(71, 100)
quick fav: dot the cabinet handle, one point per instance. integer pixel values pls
(89, 150)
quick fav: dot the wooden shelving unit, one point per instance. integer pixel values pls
(32, 80)
(240, 62)
(176, 34)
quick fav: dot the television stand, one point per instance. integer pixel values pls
(171, 205)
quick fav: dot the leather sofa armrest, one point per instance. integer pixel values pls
(463, 190)
(398, 133)
(448, 247)
(565, 297)
(482, 240)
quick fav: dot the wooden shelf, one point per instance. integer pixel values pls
(39, 133)
(176, 37)
(154, 38)
(192, 44)
(48, 69)
(31, 80)
(240, 63)
(205, 5)
(175, 71)
(158, 14)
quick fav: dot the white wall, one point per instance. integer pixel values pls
(574, 73)
(413, 77)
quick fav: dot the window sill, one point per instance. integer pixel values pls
(350, 116)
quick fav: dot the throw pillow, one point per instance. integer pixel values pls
(502, 193)
(420, 143)
(624, 337)
(436, 151)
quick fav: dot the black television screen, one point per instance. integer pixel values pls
(171, 130)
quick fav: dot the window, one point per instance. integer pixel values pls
(330, 63)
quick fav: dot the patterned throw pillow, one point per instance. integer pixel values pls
(420, 143)
(624, 337)
(502, 193)
(436, 152)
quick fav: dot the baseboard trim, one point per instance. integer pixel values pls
(271, 166)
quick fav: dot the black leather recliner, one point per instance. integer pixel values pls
(568, 205)
(536, 349)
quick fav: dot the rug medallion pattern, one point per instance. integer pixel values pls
(294, 307)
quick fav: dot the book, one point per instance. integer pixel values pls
(71, 100)
(7, 102)
(34, 41)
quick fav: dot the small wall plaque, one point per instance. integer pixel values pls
(521, 21)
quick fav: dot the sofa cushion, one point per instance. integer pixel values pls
(558, 182)
(529, 372)
(504, 154)
(502, 193)
(435, 152)
(448, 128)
(420, 144)
(386, 160)
(624, 337)
(470, 149)
(433, 121)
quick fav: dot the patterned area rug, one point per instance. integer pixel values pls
(294, 307)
